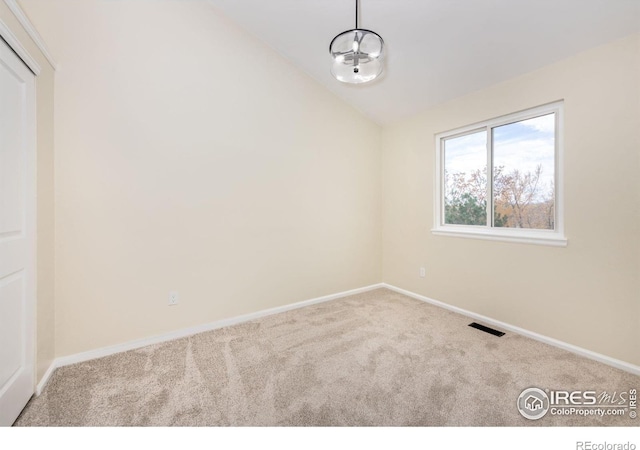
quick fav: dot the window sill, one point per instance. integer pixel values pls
(493, 235)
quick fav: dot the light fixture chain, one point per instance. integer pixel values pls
(357, 1)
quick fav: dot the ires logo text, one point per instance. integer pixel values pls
(590, 398)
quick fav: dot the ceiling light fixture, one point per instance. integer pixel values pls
(357, 55)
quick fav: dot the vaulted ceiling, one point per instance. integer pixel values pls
(437, 50)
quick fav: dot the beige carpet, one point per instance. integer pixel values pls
(378, 358)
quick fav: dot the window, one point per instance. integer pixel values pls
(501, 179)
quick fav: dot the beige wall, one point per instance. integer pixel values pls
(587, 294)
(191, 157)
(45, 192)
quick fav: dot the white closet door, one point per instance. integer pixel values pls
(17, 234)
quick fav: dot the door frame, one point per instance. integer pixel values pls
(30, 181)
(14, 43)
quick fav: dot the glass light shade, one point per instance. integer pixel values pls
(357, 56)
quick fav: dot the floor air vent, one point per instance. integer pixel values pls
(477, 326)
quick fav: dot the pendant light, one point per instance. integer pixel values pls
(357, 55)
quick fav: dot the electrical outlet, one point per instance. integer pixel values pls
(423, 272)
(173, 298)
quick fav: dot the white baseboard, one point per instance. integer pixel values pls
(132, 345)
(618, 364)
(45, 378)
(138, 343)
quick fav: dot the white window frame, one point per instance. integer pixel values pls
(554, 237)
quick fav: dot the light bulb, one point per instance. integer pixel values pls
(355, 46)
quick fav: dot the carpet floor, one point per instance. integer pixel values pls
(377, 358)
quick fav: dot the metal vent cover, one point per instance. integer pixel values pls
(477, 326)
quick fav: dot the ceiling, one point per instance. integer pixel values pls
(437, 50)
